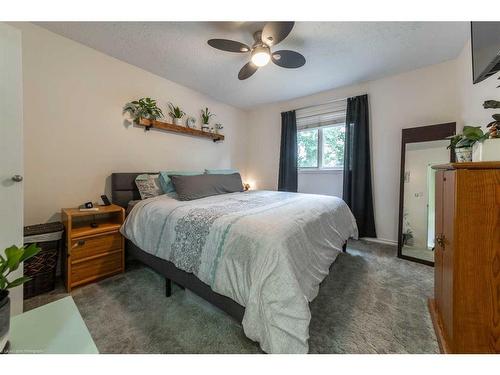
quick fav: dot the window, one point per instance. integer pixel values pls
(320, 136)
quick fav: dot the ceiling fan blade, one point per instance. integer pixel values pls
(288, 59)
(229, 45)
(275, 32)
(247, 71)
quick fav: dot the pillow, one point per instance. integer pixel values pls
(206, 185)
(166, 184)
(148, 185)
(221, 171)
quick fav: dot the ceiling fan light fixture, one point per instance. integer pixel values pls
(260, 56)
(272, 34)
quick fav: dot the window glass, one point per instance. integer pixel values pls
(333, 146)
(307, 148)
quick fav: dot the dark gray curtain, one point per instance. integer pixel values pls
(357, 168)
(287, 180)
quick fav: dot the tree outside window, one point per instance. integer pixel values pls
(321, 148)
(307, 148)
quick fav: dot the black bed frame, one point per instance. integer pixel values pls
(124, 190)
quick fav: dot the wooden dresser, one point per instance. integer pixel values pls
(94, 247)
(466, 306)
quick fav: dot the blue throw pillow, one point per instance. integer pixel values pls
(221, 171)
(165, 182)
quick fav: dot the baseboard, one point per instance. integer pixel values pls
(379, 240)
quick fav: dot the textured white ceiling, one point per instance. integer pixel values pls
(337, 53)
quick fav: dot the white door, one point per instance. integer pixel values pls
(11, 148)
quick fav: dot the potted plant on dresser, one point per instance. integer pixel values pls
(176, 113)
(462, 143)
(14, 256)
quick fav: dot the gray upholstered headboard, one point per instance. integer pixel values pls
(123, 188)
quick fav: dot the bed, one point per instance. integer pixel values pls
(259, 256)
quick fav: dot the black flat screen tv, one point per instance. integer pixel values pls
(485, 37)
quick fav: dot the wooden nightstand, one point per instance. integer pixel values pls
(92, 253)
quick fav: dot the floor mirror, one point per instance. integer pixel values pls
(421, 148)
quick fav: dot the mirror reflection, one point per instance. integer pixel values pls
(419, 197)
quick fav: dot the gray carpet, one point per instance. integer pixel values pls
(371, 302)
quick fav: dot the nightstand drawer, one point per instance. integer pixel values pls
(90, 246)
(92, 269)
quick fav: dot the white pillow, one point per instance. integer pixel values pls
(148, 185)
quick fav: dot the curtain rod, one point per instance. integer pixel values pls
(328, 102)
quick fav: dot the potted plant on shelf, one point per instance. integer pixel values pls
(462, 143)
(143, 108)
(176, 113)
(14, 256)
(205, 119)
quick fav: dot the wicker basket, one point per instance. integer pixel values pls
(42, 267)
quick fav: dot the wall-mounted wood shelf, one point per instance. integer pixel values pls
(148, 124)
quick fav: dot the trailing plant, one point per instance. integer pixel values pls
(143, 108)
(206, 115)
(175, 112)
(14, 256)
(470, 135)
(494, 126)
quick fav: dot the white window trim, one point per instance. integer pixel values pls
(320, 168)
(311, 170)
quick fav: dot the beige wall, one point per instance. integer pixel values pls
(75, 135)
(421, 97)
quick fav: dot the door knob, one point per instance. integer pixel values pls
(17, 178)
(440, 240)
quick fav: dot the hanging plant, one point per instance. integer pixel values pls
(143, 108)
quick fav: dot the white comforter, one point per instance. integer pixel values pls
(266, 250)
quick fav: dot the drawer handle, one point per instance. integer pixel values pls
(80, 243)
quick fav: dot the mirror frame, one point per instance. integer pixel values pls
(415, 135)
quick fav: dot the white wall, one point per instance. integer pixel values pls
(76, 136)
(321, 182)
(422, 97)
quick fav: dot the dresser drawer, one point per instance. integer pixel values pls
(90, 246)
(88, 270)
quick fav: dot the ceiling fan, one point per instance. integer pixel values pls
(269, 36)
